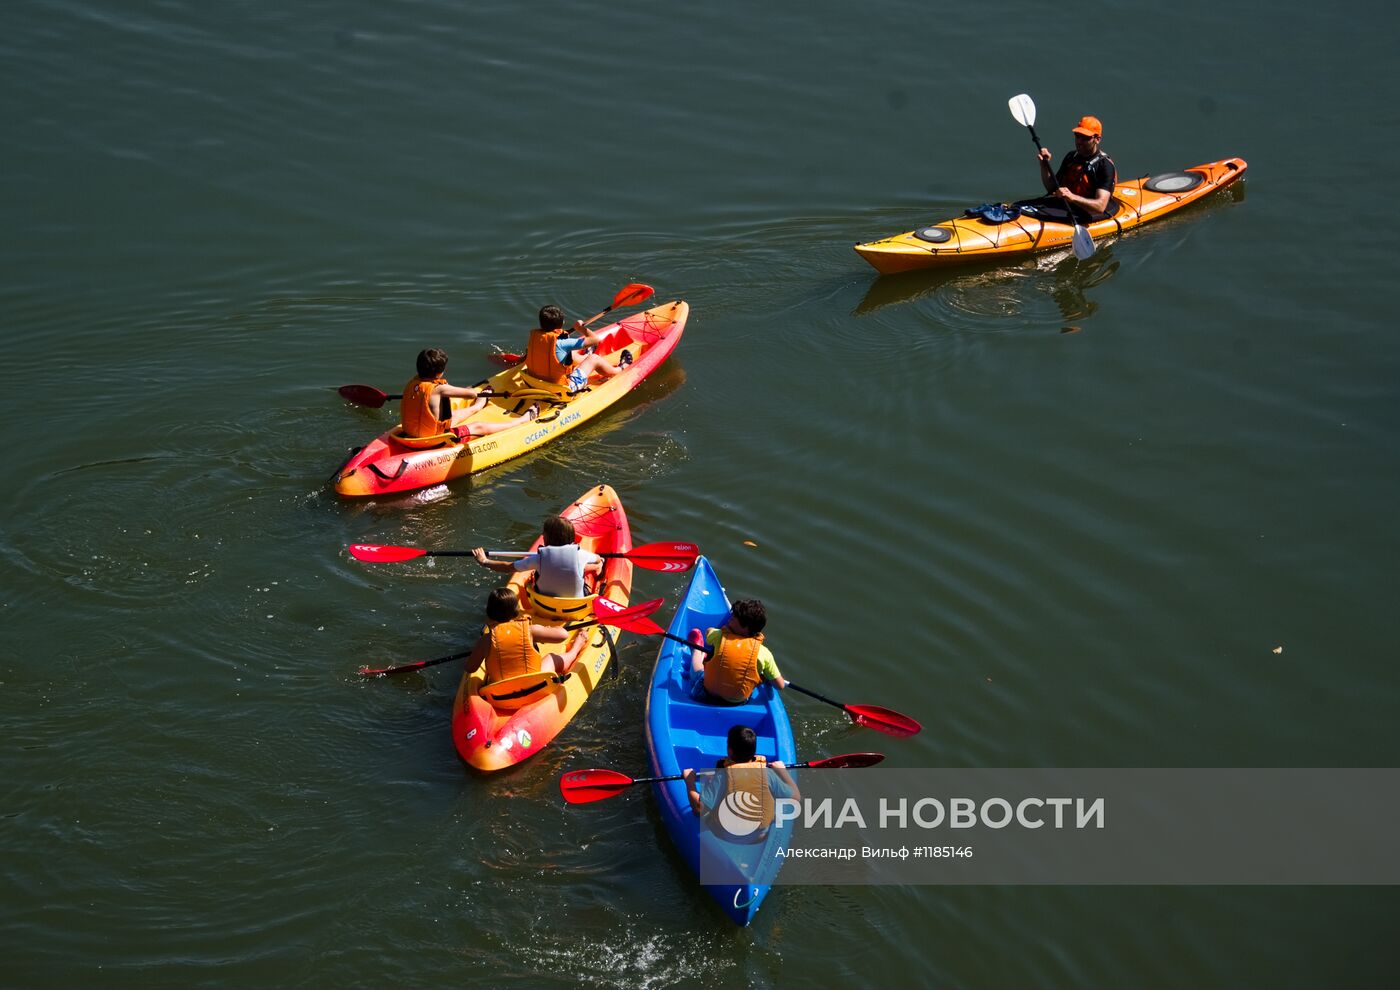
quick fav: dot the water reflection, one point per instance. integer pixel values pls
(1065, 279)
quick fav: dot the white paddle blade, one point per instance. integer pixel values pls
(1023, 109)
(1082, 243)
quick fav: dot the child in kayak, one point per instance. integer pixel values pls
(732, 659)
(509, 644)
(551, 354)
(426, 406)
(560, 565)
(746, 771)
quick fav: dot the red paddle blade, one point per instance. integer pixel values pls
(883, 720)
(376, 554)
(363, 395)
(506, 358)
(675, 557)
(632, 618)
(631, 294)
(402, 668)
(640, 625)
(847, 761)
(583, 786)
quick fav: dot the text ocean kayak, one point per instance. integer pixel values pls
(975, 239)
(387, 465)
(684, 733)
(493, 736)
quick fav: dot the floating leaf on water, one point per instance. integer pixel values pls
(1278, 649)
(750, 543)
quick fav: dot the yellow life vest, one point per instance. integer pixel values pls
(512, 649)
(749, 779)
(541, 360)
(732, 673)
(420, 419)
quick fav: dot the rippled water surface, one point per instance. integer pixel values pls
(1065, 513)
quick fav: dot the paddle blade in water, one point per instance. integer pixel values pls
(376, 554)
(583, 786)
(1083, 243)
(506, 358)
(363, 395)
(847, 761)
(891, 723)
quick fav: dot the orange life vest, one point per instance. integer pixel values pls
(732, 673)
(420, 419)
(512, 649)
(749, 779)
(1075, 175)
(541, 361)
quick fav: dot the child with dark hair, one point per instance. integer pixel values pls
(744, 770)
(426, 406)
(732, 659)
(509, 644)
(552, 354)
(560, 565)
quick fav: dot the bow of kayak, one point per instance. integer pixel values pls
(961, 239)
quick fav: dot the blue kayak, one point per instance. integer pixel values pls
(685, 733)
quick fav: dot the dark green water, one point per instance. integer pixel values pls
(1055, 549)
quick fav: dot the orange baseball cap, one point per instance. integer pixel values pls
(1090, 127)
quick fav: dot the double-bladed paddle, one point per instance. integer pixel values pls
(674, 557)
(584, 786)
(600, 617)
(891, 723)
(1023, 109)
(628, 295)
(373, 398)
(876, 717)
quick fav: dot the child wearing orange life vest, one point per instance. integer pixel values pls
(550, 354)
(732, 659)
(426, 406)
(767, 780)
(509, 643)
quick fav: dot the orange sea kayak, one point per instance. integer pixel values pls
(976, 239)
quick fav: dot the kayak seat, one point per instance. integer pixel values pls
(530, 381)
(516, 692)
(424, 443)
(550, 608)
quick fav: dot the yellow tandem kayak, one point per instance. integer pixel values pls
(390, 463)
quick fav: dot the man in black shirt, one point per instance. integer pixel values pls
(1086, 177)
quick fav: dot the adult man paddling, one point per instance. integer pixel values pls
(1086, 176)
